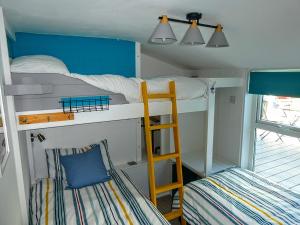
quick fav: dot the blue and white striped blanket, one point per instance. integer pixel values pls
(239, 196)
(114, 202)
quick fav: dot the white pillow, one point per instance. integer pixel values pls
(38, 64)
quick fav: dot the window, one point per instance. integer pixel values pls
(276, 153)
(277, 141)
(279, 110)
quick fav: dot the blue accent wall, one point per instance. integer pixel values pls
(83, 55)
(278, 83)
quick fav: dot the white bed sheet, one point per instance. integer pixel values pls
(186, 87)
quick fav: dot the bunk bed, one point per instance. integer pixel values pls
(120, 108)
(54, 86)
(238, 196)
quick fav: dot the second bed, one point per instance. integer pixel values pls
(238, 196)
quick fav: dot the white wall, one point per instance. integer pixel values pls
(220, 72)
(153, 67)
(192, 131)
(228, 116)
(10, 212)
(228, 124)
(122, 144)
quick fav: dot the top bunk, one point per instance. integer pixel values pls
(38, 90)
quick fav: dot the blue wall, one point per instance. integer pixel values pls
(82, 55)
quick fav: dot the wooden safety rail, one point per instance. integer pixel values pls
(45, 118)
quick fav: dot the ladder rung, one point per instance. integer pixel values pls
(166, 156)
(173, 214)
(168, 187)
(162, 126)
(160, 95)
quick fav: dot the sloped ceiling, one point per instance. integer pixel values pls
(262, 33)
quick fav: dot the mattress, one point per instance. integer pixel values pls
(239, 196)
(63, 86)
(113, 202)
(186, 87)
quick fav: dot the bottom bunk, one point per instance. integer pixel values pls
(238, 196)
(114, 202)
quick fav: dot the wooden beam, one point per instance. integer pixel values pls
(45, 118)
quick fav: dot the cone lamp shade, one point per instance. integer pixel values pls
(218, 39)
(193, 35)
(163, 33)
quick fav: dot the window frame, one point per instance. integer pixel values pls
(273, 127)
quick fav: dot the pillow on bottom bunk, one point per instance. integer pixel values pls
(84, 169)
(55, 169)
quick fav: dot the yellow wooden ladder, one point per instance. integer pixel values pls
(154, 190)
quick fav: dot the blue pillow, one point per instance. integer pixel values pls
(85, 169)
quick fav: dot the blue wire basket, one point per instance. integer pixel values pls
(85, 104)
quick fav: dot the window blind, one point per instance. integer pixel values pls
(278, 83)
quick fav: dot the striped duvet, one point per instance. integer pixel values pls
(113, 202)
(239, 196)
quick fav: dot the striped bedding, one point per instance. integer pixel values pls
(238, 196)
(114, 202)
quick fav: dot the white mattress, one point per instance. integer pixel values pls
(63, 86)
(114, 202)
(186, 87)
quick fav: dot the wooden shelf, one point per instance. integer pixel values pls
(195, 162)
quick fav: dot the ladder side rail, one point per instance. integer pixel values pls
(149, 143)
(177, 154)
(176, 137)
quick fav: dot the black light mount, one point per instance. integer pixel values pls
(39, 136)
(193, 16)
(190, 17)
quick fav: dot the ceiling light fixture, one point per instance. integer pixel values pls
(163, 33)
(218, 38)
(193, 35)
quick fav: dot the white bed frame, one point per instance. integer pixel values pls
(136, 110)
(116, 112)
